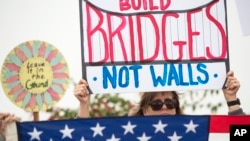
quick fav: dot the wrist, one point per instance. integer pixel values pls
(233, 102)
(83, 111)
(85, 103)
(230, 98)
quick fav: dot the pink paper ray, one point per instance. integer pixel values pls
(52, 55)
(15, 89)
(20, 54)
(60, 85)
(60, 75)
(12, 79)
(53, 94)
(58, 66)
(21, 96)
(32, 102)
(12, 66)
(29, 46)
(42, 50)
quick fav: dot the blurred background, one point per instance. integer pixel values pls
(57, 22)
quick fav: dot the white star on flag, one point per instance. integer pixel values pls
(159, 127)
(174, 137)
(67, 132)
(113, 138)
(35, 134)
(144, 137)
(83, 139)
(191, 126)
(129, 128)
(97, 130)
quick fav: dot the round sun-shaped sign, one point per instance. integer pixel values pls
(35, 75)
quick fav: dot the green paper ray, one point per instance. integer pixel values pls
(36, 46)
(56, 60)
(13, 84)
(47, 51)
(8, 73)
(63, 69)
(48, 99)
(39, 101)
(16, 94)
(26, 99)
(25, 50)
(57, 89)
(6, 69)
(14, 59)
(60, 81)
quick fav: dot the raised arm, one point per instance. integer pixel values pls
(82, 94)
(230, 94)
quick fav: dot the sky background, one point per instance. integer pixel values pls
(57, 22)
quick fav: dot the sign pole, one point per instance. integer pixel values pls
(36, 116)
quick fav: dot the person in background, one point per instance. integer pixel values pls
(162, 103)
(5, 119)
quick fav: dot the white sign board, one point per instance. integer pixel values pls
(146, 45)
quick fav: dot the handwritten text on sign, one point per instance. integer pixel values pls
(145, 45)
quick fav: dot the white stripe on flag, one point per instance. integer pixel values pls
(11, 132)
(218, 137)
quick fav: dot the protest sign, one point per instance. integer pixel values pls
(146, 45)
(35, 75)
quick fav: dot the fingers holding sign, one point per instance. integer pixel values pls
(81, 91)
(5, 119)
(232, 82)
(232, 86)
(82, 94)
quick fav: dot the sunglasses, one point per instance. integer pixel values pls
(156, 105)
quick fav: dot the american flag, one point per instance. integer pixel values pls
(149, 128)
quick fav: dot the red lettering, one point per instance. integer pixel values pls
(157, 37)
(222, 32)
(191, 34)
(165, 6)
(136, 7)
(129, 35)
(132, 37)
(91, 32)
(144, 4)
(164, 36)
(124, 5)
(117, 32)
(180, 44)
(152, 6)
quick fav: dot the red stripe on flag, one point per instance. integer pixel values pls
(221, 123)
